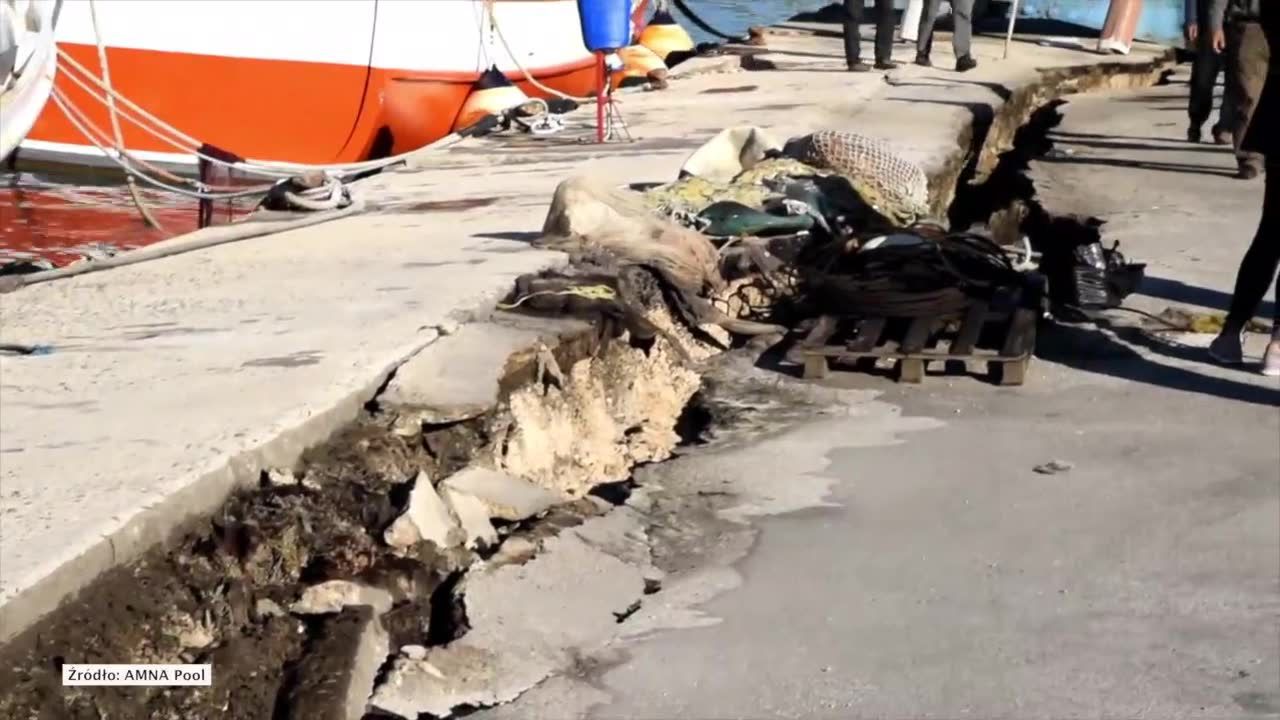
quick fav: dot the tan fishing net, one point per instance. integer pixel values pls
(895, 187)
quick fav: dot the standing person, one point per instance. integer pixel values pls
(1248, 56)
(1205, 37)
(884, 35)
(962, 13)
(1259, 267)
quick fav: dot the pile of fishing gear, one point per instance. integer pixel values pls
(756, 237)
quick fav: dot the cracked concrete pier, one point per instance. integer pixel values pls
(174, 381)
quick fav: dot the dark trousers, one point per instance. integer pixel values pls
(961, 33)
(1262, 261)
(1247, 61)
(884, 30)
(1244, 61)
(1204, 75)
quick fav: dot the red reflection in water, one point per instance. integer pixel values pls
(55, 217)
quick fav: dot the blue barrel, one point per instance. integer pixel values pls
(606, 24)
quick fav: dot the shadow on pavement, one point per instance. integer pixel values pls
(1224, 150)
(1092, 350)
(1138, 164)
(1180, 292)
(1065, 136)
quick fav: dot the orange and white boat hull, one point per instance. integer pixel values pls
(323, 81)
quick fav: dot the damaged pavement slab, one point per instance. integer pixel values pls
(473, 358)
(527, 620)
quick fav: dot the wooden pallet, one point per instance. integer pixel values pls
(923, 343)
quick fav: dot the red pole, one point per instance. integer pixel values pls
(600, 82)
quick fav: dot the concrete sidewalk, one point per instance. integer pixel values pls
(174, 381)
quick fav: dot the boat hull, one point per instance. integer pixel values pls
(34, 58)
(368, 79)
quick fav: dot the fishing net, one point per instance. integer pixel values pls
(895, 187)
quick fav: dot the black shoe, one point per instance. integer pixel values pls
(1193, 134)
(859, 66)
(887, 65)
(1248, 171)
(965, 63)
(922, 59)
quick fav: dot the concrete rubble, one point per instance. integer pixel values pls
(614, 411)
(427, 517)
(473, 518)
(569, 598)
(334, 595)
(504, 497)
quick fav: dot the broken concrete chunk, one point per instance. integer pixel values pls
(473, 517)
(527, 622)
(515, 549)
(414, 652)
(414, 686)
(334, 595)
(426, 518)
(276, 477)
(266, 608)
(506, 496)
(335, 679)
(473, 359)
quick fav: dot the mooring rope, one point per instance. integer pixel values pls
(703, 24)
(590, 292)
(143, 210)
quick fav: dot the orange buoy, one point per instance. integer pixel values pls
(663, 35)
(491, 93)
(639, 62)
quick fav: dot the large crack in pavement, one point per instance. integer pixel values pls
(649, 564)
(458, 546)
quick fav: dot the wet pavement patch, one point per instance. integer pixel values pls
(292, 360)
(724, 91)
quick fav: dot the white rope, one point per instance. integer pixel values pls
(82, 124)
(331, 196)
(143, 210)
(336, 197)
(528, 76)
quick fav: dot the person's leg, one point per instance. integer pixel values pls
(852, 38)
(962, 34)
(1204, 75)
(1247, 73)
(1258, 269)
(884, 33)
(1229, 111)
(924, 38)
